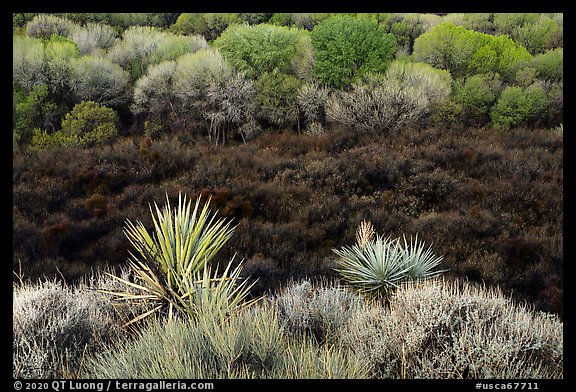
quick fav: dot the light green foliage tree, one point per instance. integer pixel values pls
(401, 98)
(45, 25)
(540, 36)
(477, 95)
(346, 48)
(98, 79)
(60, 54)
(549, 65)
(519, 106)
(93, 36)
(261, 48)
(276, 97)
(209, 25)
(142, 46)
(465, 52)
(506, 23)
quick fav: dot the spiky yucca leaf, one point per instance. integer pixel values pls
(171, 266)
(374, 268)
(378, 266)
(420, 261)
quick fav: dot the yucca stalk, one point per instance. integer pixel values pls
(377, 267)
(364, 233)
(171, 267)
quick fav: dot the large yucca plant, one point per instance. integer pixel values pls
(171, 266)
(376, 266)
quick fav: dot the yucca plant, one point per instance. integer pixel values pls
(376, 266)
(171, 266)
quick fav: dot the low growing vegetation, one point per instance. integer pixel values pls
(319, 172)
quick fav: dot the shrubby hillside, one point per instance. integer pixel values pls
(296, 128)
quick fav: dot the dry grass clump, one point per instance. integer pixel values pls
(440, 329)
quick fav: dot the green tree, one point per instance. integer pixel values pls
(209, 25)
(346, 48)
(261, 48)
(476, 95)
(549, 65)
(35, 110)
(465, 52)
(276, 97)
(519, 106)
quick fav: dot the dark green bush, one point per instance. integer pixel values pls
(346, 48)
(477, 95)
(209, 25)
(276, 97)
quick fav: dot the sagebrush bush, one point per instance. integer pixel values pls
(93, 36)
(319, 310)
(440, 329)
(142, 46)
(312, 99)
(209, 90)
(57, 326)
(28, 62)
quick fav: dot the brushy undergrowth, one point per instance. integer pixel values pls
(451, 330)
(429, 329)
(248, 344)
(56, 326)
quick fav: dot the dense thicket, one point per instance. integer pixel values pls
(489, 201)
(111, 111)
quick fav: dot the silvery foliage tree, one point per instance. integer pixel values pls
(312, 99)
(402, 97)
(146, 45)
(44, 25)
(99, 80)
(28, 62)
(198, 86)
(93, 36)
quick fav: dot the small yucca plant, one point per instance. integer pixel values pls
(376, 266)
(172, 265)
